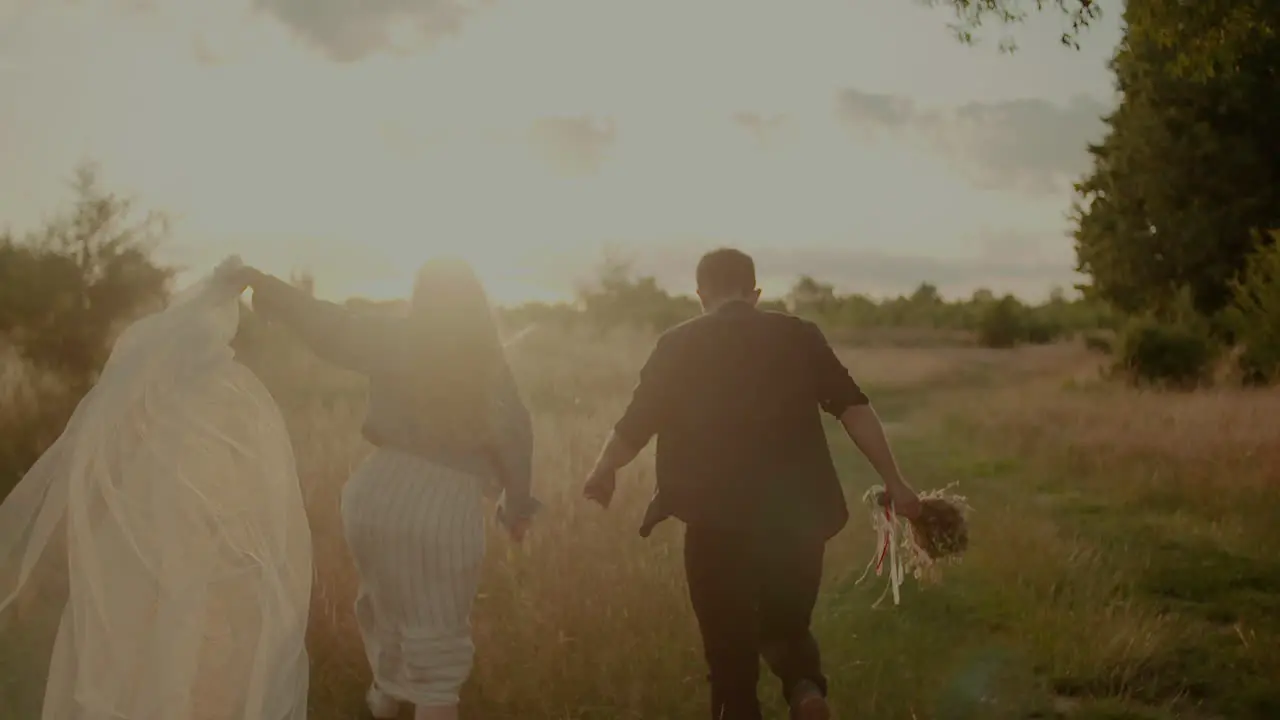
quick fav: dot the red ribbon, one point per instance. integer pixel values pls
(888, 535)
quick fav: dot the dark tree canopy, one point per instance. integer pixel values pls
(1207, 37)
(66, 289)
(973, 15)
(1189, 172)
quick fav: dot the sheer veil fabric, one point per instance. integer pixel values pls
(158, 553)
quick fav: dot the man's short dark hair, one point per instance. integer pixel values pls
(726, 272)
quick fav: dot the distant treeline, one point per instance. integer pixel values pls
(619, 297)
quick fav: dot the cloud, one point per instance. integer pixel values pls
(403, 140)
(874, 109)
(349, 30)
(761, 127)
(573, 146)
(203, 52)
(1029, 144)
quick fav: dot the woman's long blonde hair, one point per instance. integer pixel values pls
(461, 353)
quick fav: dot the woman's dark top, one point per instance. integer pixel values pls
(382, 348)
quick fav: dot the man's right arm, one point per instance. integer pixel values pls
(839, 394)
(864, 428)
(834, 388)
(639, 423)
(649, 403)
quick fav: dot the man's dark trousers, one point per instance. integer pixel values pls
(753, 594)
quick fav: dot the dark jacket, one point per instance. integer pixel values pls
(381, 348)
(734, 398)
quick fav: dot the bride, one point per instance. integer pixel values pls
(172, 505)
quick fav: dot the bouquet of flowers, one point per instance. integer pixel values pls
(940, 534)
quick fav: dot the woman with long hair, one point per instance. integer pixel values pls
(447, 420)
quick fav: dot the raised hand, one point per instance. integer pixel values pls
(235, 274)
(230, 273)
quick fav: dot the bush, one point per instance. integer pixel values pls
(1042, 331)
(1254, 315)
(66, 289)
(618, 297)
(34, 407)
(1002, 324)
(1165, 353)
(1099, 343)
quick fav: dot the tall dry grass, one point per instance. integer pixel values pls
(1150, 516)
(584, 619)
(34, 405)
(1100, 511)
(589, 621)
(1216, 451)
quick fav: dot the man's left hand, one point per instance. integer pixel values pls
(517, 529)
(600, 486)
(902, 499)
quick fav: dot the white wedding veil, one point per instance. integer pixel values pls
(157, 555)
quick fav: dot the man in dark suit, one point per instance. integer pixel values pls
(733, 397)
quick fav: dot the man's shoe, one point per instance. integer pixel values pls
(808, 703)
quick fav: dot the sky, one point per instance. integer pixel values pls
(853, 140)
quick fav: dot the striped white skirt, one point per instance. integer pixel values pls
(416, 533)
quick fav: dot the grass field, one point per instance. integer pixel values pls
(1122, 562)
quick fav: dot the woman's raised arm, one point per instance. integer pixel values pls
(338, 335)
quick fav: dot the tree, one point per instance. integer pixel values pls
(971, 15)
(926, 295)
(982, 296)
(1213, 37)
(810, 297)
(618, 297)
(68, 288)
(1205, 39)
(1003, 324)
(1255, 314)
(1189, 170)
